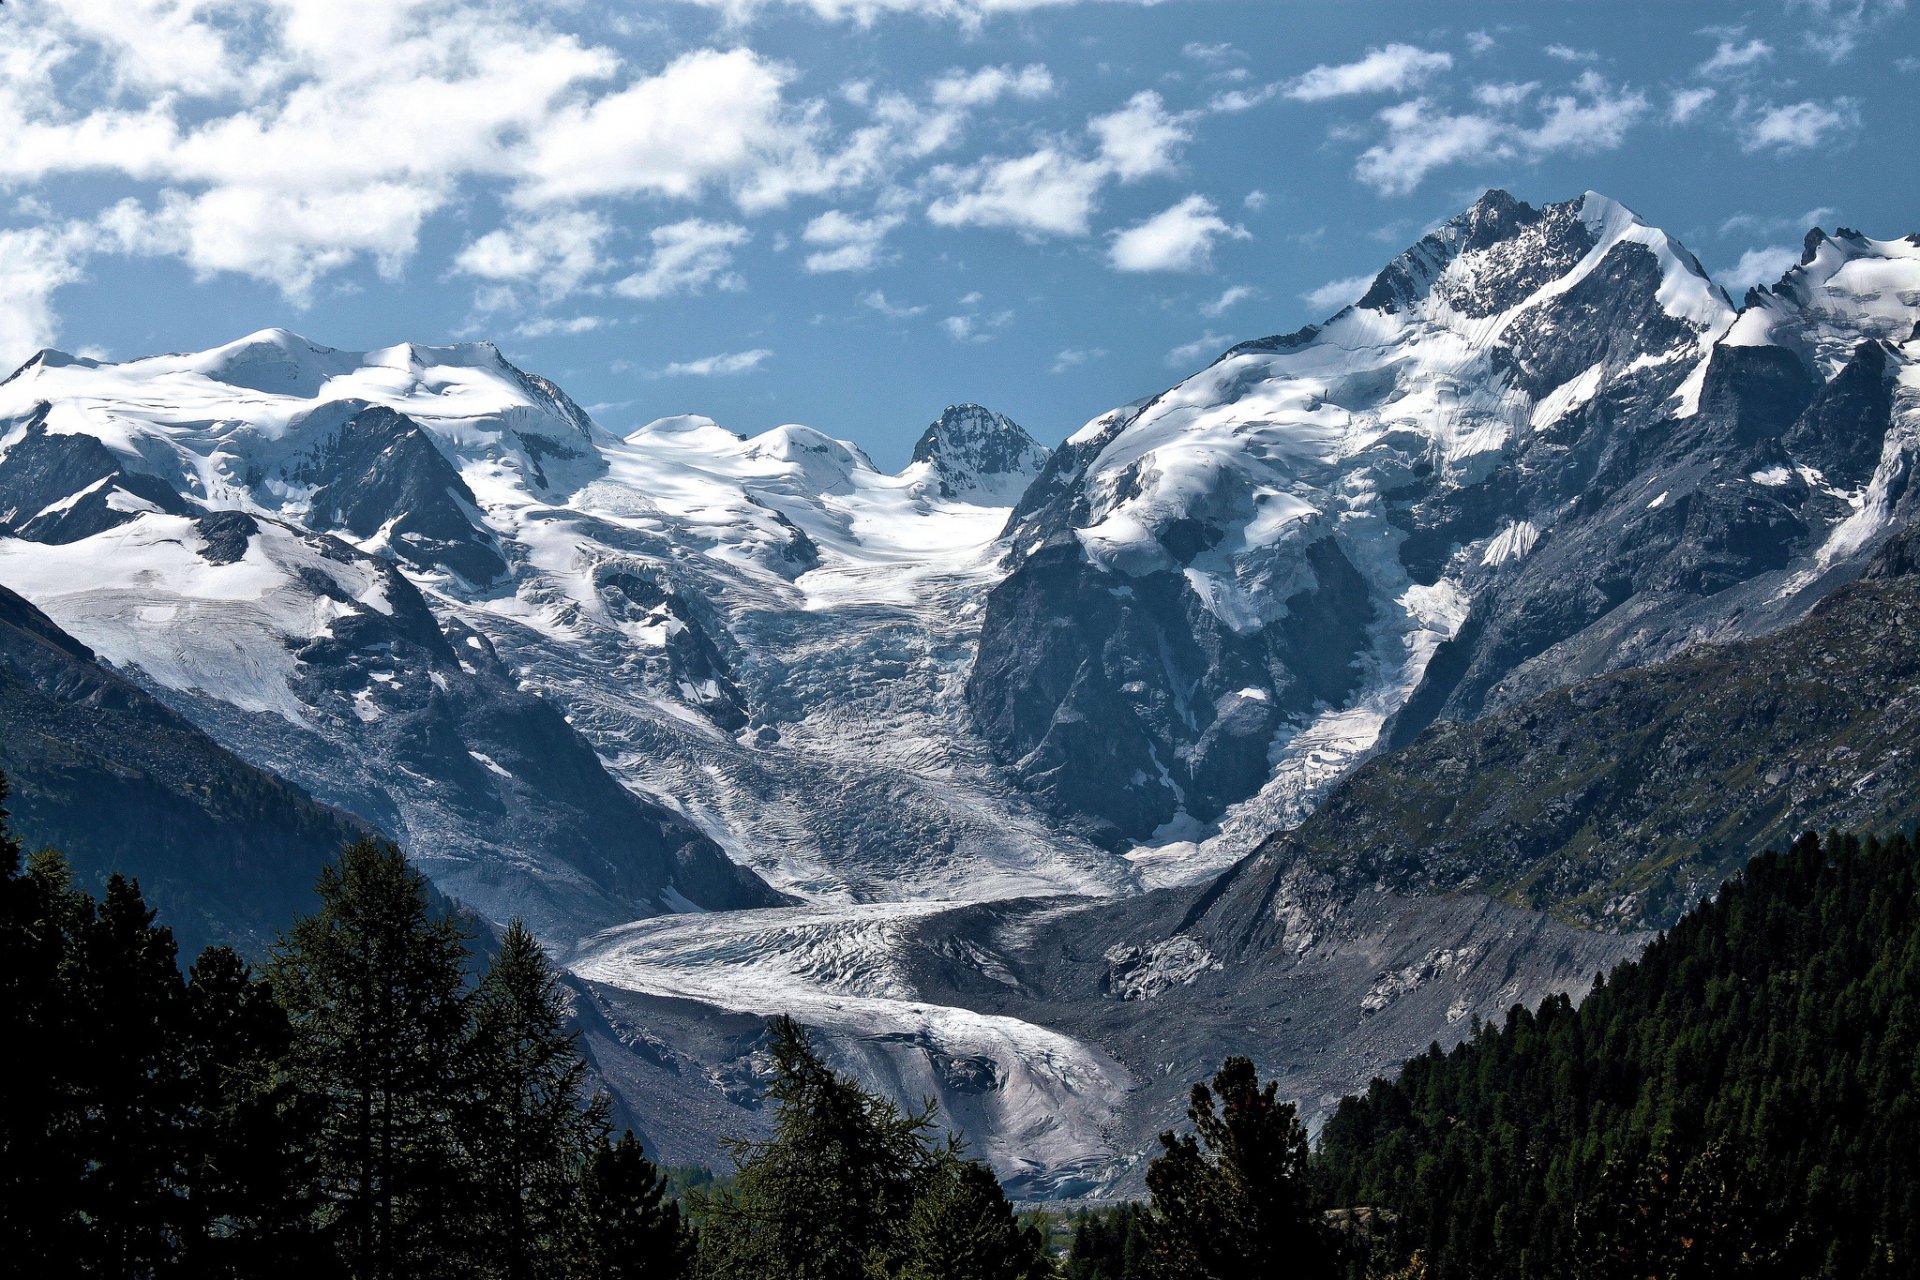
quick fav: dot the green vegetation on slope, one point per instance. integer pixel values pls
(1744, 1100)
(1621, 800)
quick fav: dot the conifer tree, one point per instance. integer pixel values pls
(374, 986)
(962, 1228)
(525, 1128)
(626, 1227)
(251, 1173)
(827, 1197)
(132, 1018)
(1230, 1199)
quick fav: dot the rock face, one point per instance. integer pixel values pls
(974, 454)
(1541, 446)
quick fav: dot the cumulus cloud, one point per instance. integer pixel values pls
(968, 13)
(990, 84)
(1335, 294)
(1567, 53)
(1141, 139)
(1799, 126)
(878, 301)
(1073, 357)
(1688, 103)
(1047, 192)
(1835, 28)
(1227, 301)
(1735, 57)
(1390, 69)
(1596, 119)
(725, 365)
(1421, 136)
(34, 263)
(1759, 267)
(1208, 343)
(847, 243)
(1176, 239)
(974, 327)
(555, 254)
(687, 257)
(1055, 189)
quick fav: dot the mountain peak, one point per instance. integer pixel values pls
(978, 455)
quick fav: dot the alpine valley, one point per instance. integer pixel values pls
(1368, 682)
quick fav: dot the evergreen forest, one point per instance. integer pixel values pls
(391, 1095)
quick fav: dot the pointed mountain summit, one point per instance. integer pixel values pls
(1525, 455)
(973, 454)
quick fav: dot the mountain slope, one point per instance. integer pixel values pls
(1739, 1101)
(1539, 447)
(1623, 798)
(105, 773)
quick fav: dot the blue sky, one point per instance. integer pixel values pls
(851, 213)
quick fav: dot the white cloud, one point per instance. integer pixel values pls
(1227, 301)
(1480, 41)
(1210, 53)
(976, 327)
(687, 257)
(1390, 69)
(1687, 104)
(1421, 138)
(1073, 357)
(34, 263)
(1504, 96)
(555, 253)
(848, 243)
(989, 84)
(877, 301)
(710, 117)
(1776, 224)
(1567, 53)
(1140, 139)
(1734, 57)
(1599, 122)
(1049, 192)
(1177, 239)
(549, 326)
(1835, 28)
(1208, 343)
(1255, 201)
(1335, 294)
(726, 365)
(1799, 125)
(1758, 267)
(969, 13)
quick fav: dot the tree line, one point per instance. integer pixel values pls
(379, 1100)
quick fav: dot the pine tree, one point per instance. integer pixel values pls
(525, 1128)
(827, 1197)
(133, 1075)
(374, 986)
(251, 1166)
(43, 1161)
(1231, 1199)
(626, 1227)
(962, 1228)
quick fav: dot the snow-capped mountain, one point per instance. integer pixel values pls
(1540, 446)
(765, 638)
(746, 724)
